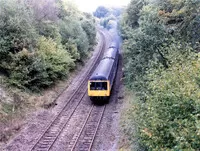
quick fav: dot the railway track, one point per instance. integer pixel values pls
(52, 132)
(86, 136)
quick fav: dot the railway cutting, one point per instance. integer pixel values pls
(74, 124)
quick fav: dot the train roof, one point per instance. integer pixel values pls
(103, 70)
(110, 53)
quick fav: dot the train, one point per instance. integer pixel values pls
(101, 81)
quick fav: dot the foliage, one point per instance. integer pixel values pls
(57, 60)
(133, 12)
(141, 44)
(158, 24)
(26, 69)
(108, 22)
(161, 39)
(16, 28)
(183, 18)
(49, 29)
(101, 12)
(170, 113)
(71, 29)
(40, 69)
(87, 24)
(41, 40)
(71, 48)
(111, 17)
(44, 10)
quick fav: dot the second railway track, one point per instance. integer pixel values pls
(50, 135)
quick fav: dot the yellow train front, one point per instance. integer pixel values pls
(101, 82)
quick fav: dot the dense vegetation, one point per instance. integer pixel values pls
(161, 45)
(41, 41)
(108, 16)
(103, 12)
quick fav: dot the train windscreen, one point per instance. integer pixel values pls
(98, 86)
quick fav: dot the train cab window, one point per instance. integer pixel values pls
(92, 86)
(98, 86)
(104, 86)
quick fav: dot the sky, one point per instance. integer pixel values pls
(91, 5)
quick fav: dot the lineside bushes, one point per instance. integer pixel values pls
(162, 68)
(169, 117)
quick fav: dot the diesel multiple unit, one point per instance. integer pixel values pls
(101, 81)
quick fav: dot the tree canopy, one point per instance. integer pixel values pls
(161, 45)
(42, 40)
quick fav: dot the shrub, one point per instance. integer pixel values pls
(40, 69)
(27, 71)
(71, 47)
(49, 29)
(88, 26)
(16, 27)
(16, 31)
(58, 61)
(163, 72)
(169, 117)
(71, 29)
(141, 45)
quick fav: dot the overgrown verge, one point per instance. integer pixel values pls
(161, 45)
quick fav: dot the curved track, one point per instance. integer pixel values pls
(58, 124)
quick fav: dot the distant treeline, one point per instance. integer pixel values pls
(162, 66)
(108, 16)
(41, 41)
(102, 12)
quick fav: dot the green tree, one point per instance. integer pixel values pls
(17, 31)
(160, 41)
(40, 69)
(133, 12)
(16, 27)
(101, 12)
(88, 25)
(72, 29)
(40, 41)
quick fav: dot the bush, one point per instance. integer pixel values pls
(49, 29)
(169, 118)
(16, 27)
(27, 71)
(57, 60)
(71, 47)
(88, 26)
(16, 31)
(141, 44)
(163, 72)
(71, 30)
(40, 69)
